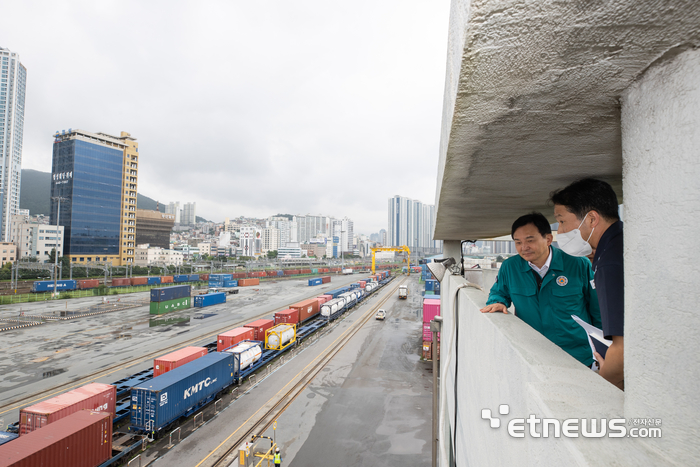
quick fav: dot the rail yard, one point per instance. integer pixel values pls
(112, 346)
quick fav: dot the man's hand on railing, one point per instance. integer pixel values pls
(495, 308)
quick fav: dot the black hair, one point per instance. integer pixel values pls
(587, 195)
(535, 218)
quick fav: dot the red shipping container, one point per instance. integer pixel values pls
(427, 351)
(325, 279)
(120, 282)
(307, 309)
(139, 280)
(288, 316)
(431, 309)
(166, 279)
(322, 299)
(306, 271)
(82, 439)
(259, 327)
(164, 364)
(94, 396)
(204, 277)
(233, 337)
(362, 284)
(88, 284)
(238, 275)
(247, 282)
(271, 273)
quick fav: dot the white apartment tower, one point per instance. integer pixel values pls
(189, 215)
(411, 223)
(174, 209)
(13, 77)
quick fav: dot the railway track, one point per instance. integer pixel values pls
(58, 389)
(227, 452)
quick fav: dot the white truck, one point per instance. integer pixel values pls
(403, 291)
(347, 271)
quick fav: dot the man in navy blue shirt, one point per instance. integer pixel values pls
(587, 212)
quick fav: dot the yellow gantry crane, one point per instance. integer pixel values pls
(394, 248)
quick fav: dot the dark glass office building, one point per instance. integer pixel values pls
(88, 174)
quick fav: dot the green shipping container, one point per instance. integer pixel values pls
(159, 308)
(429, 292)
(315, 271)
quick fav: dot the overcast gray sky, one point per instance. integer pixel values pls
(247, 108)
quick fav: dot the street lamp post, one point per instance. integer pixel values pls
(55, 256)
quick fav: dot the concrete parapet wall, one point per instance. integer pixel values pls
(498, 359)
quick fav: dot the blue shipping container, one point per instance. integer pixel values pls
(215, 284)
(430, 284)
(194, 277)
(153, 280)
(47, 286)
(220, 277)
(337, 292)
(163, 294)
(165, 398)
(233, 283)
(280, 273)
(209, 299)
(181, 278)
(317, 281)
(6, 437)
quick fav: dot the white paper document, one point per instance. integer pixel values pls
(596, 338)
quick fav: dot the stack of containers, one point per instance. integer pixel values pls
(93, 396)
(217, 280)
(431, 309)
(233, 337)
(175, 359)
(167, 299)
(82, 439)
(259, 327)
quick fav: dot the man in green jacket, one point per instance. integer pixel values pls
(547, 286)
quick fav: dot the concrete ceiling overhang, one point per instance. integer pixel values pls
(532, 100)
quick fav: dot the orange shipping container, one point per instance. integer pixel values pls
(288, 316)
(139, 280)
(233, 337)
(175, 359)
(307, 309)
(259, 327)
(247, 282)
(93, 396)
(88, 284)
(166, 279)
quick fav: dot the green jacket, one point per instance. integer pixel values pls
(566, 290)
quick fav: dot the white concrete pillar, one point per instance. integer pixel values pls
(661, 186)
(452, 249)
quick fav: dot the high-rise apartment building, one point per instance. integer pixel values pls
(174, 209)
(411, 223)
(96, 177)
(13, 78)
(309, 227)
(189, 215)
(250, 242)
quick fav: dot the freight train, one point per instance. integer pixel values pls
(68, 285)
(179, 383)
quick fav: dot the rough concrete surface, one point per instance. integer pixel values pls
(660, 122)
(532, 97)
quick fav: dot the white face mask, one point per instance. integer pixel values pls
(573, 243)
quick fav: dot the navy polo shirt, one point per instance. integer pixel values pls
(608, 275)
